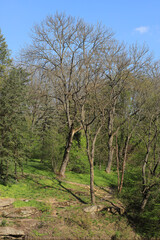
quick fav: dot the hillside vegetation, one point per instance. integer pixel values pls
(61, 206)
(61, 203)
(79, 135)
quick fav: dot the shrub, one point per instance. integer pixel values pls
(78, 157)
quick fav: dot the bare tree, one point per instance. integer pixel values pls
(149, 132)
(92, 121)
(65, 49)
(121, 69)
(123, 150)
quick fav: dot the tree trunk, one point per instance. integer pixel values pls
(145, 200)
(15, 169)
(110, 139)
(65, 161)
(124, 162)
(93, 200)
(144, 181)
(66, 153)
(110, 153)
(90, 154)
(145, 192)
(117, 158)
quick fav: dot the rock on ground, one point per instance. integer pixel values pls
(11, 232)
(6, 202)
(22, 212)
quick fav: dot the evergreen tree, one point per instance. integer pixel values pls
(4, 55)
(12, 123)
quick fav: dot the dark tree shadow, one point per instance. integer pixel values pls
(61, 187)
(69, 191)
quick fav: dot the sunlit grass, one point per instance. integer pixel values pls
(101, 179)
(41, 206)
(39, 182)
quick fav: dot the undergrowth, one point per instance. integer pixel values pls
(39, 184)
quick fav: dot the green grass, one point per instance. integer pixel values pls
(78, 178)
(101, 179)
(41, 206)
(36, 233)
(40, 183)
(105, 180)
(35, 166)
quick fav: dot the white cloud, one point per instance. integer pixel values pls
(142, 29)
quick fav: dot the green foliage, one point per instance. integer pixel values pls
(78, 157)
(101, 149)
(12, 123)
(3, 223)
(52, 148)
(4, 57)
(146, 222)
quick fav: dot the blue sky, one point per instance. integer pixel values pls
(131, 20)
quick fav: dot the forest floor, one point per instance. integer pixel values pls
(42, 206)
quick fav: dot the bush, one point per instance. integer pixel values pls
(78, 156)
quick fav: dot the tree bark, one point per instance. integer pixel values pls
(144, 181)
(110, 139)
(93, 200)
(117, 158)
(145, 191)
(67, 150)
(90, 154)
(145, 200)
(66, 153)
(110, 154)
(124, 162)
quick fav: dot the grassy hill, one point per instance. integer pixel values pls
(60, 205)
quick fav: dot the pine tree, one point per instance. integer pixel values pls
(4, 55)
(12, 123)
(13, 87)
